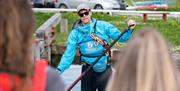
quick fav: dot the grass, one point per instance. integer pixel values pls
(41, 18)
(170, 29)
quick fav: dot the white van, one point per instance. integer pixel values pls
(93, 4)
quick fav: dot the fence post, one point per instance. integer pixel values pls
(64, 25)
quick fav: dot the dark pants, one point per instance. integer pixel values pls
(95, 80)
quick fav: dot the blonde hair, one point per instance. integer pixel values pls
(145, 65)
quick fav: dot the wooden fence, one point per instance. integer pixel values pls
(44, 36)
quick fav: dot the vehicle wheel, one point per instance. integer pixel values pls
(98, 7)
(62, 6)
(49, 5)
(122, 7)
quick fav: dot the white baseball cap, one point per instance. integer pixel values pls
(83, 7)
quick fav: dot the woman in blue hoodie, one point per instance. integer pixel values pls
(92, 37)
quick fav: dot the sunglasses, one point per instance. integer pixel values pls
(82, 14)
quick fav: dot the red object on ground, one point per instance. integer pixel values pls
(152, 7)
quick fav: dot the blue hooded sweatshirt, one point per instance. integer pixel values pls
(103, 30)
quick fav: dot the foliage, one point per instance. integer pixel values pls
(169, 29)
